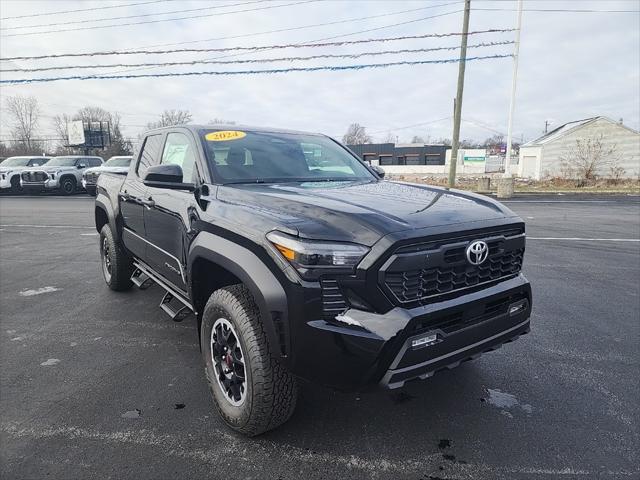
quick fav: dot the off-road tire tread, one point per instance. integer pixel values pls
(73, 180)
(121, 262)
(274, 389)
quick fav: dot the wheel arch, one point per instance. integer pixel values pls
(232, 263)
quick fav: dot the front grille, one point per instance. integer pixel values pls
(420, 272)
(34, 176)
(333, 303)
(91, 178)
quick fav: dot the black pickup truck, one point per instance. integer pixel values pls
(299, 262)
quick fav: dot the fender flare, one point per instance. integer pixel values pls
(103, 203)
(267, 291)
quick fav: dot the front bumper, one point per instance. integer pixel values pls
(361, 348)
(91, 188)
(5, 183)
(50, 184)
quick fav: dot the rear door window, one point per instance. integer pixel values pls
(150, 154)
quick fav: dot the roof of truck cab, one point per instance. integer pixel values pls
(245, 128)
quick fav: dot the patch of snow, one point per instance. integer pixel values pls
(51, 361)
(348, 320)
(38, 291)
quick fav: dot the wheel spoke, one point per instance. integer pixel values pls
(228, 361)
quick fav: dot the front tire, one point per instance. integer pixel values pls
(116, 265)
(68, 185)
(15, 185)
(252, 391)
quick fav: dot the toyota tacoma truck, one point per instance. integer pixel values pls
(63, 174)
(300, 262)
(119, 164)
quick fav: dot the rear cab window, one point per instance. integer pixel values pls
(150, 154)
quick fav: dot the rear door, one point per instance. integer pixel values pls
(168, 220)
(133, 195)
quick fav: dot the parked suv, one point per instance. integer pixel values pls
(299, 261)
(90, 176)
(60, 173)
(11, 167)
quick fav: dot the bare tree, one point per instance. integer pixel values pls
(24, 113)
(417, 139)
(119, 145)
(389, 138)
(171, 117)
(221, 121)
(587, 157)
(356, 135)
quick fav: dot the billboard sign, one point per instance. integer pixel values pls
(75, 131)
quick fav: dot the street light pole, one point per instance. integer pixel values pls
(457, 114)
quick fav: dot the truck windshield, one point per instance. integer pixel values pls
(265, 157)
(17, 162)
(118, 162)
(62, 162)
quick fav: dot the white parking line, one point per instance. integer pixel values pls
(578, 239)
(45, 226)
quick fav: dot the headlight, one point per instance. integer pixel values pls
(312, 258)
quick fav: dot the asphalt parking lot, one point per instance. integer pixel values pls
(98, 384)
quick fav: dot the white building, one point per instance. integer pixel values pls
(543, 157)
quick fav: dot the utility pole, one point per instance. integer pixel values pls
(546, 126)
(457, 114)
(516, 55)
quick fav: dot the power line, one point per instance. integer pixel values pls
(83, 10)
(303, 44)
(130, 16)
(550, 10)
(256, 48)
(96, 27)
(411, 126)
(256, 60)
(303, 27)
(248, 72)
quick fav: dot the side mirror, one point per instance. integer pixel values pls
(379, 170)
(35, 165)
(166, 176)
(81, 166)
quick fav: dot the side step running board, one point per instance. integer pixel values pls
(178, 313)
(144, 277)
(141, 279)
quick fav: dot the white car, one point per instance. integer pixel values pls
(60, 173)
(10, 170)
(90, 176)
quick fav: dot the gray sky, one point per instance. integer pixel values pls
(572, 65)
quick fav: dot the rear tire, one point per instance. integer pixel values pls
(115, 263)
(252, 391)
(68, 185)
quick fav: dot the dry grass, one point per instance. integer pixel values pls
(530, 186)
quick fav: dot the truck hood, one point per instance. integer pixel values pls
(104, 169)
(15, 169)
(54, 169)
(361, 213)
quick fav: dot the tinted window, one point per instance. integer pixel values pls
(38, 161)
(178, 151)
(95, 162)
(150, 153)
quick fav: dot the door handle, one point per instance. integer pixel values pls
(150, 203)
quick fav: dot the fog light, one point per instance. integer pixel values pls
(518, 307)
(426, 341)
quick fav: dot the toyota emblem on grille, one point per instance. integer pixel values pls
(477, 252)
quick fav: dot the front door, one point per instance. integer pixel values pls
(167, 221)
(132, 195)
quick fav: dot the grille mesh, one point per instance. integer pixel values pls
(333, 303)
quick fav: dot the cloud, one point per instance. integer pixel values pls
(572, 65)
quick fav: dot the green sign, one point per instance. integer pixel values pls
(474, 160)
